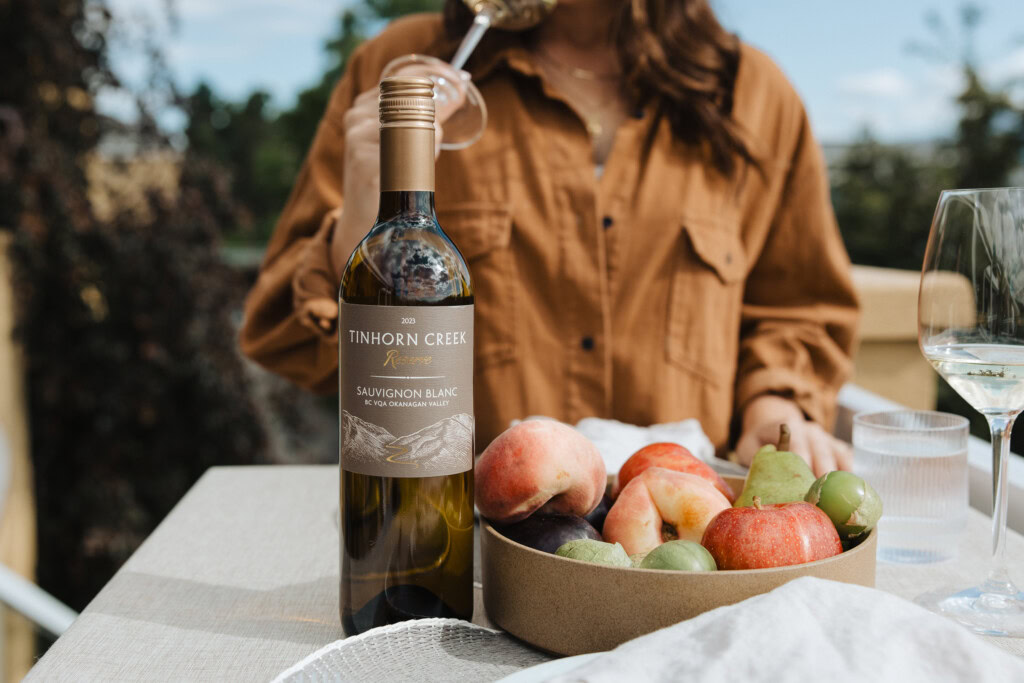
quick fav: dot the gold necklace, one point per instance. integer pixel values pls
(576, 71)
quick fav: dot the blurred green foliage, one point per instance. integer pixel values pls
(135, 386)
(885, 195)
(262, 148)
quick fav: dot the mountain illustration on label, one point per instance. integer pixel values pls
(446, 445)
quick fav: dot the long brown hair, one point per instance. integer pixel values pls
(676, 54)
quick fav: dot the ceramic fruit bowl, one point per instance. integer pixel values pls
(570, 607)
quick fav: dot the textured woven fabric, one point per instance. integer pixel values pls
(420, 651)
(809, 629)
(240, 582)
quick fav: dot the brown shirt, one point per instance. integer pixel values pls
(656, 292)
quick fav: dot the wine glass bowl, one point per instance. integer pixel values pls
(461, 115)
(971, 329)
(512, 15)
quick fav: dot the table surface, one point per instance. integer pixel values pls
(240, 582)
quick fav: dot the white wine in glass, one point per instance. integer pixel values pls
(971, 329)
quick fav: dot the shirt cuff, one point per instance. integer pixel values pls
(817, 402)
(316, 277)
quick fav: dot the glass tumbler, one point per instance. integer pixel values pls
(917, 461)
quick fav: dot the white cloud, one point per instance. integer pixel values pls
(884, 82)
(915, 103)
(1007, 67)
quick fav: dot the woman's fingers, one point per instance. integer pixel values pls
(319, 315)
(829, 453)
(823, 456)
(819, 449)
(844, 454)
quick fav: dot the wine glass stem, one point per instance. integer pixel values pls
(481, 22)
(999, 579)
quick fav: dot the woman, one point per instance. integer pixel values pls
(646, 220)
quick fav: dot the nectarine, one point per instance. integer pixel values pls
(662, 505)
(539, 466)
(671, 456)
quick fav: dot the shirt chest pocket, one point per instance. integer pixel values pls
(482, 231)
(705, 299)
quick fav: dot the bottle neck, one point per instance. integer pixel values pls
(406, 172)
(406, 159)
(398, 202)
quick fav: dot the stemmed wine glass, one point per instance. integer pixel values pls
(461, 112)
(971, 329)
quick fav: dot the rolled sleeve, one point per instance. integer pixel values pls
(800, 310)
(293, 269)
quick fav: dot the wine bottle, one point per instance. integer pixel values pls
(405, 358)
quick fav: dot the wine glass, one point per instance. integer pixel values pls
(971, 329)
(461, 114)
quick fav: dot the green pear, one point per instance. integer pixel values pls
(776, 475)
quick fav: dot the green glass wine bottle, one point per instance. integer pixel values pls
(405, 345)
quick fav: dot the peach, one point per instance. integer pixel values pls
(671, 456)
(539, 465)
(662, 505)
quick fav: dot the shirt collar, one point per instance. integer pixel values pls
(503, 49)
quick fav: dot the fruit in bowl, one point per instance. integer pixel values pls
(662, 505)
(597, 552)
(598, 514)
(540, 481)
(548, 533)
(539, 466)
(772, 536)
(671, 456)
(685, 556)
(776, 475)
(849, 501)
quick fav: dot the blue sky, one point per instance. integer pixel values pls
(849, 61)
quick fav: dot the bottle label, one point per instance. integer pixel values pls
(406, 389)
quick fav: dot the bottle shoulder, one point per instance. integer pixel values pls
(407, 259)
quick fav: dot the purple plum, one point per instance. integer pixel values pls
(548, 532)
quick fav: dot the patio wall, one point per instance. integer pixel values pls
(17, 509)
(888, 360)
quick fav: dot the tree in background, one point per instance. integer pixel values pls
(885, 195)
(263, 149)
(244, 140)
(134, 383)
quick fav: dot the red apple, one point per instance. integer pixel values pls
(772, 536)
(671, 456)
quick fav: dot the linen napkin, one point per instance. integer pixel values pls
(808, 630)
(616, 441)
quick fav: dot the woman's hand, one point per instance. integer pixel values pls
(360, 176)
(761, 420)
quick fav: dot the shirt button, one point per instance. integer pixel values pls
(587, 343)
(607, 222)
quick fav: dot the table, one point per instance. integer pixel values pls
(239, 582)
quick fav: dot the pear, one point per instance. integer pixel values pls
(776, 475)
